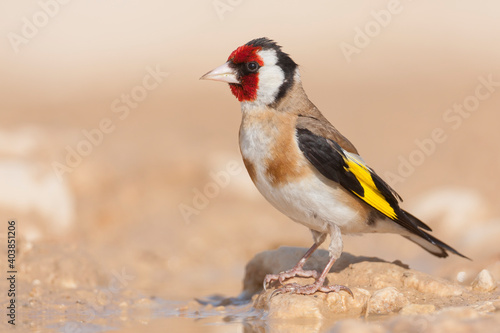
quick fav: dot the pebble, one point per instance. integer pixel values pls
(431, 285)
(484, 282)
(386, 300)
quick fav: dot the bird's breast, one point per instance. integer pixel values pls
(269, 148)
(274, 162)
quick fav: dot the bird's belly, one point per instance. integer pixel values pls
(315, 204)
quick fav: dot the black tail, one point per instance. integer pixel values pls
(430, 243)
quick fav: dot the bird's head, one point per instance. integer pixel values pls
(257, 72)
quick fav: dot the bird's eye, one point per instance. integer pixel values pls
(252, 66)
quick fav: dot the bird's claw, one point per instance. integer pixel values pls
(295, 288)
(281, 277)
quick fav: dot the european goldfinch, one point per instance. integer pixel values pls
(304, 167)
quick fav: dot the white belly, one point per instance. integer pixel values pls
(314, 204)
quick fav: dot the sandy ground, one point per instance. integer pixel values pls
(96, 185)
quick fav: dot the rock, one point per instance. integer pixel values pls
(275, 261)
(484, 307)
(294, 307)
(341, 303)
(459, 313)
(379, 288)
(318, 306)
(484, 282)
(427, 284)
(386, 300)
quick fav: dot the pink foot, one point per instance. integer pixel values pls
(295, 288)
(281, 277)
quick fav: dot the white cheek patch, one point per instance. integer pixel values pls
(271, 77)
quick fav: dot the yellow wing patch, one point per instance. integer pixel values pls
(372, 195)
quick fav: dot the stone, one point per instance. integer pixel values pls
(484, 307)
(484, 282)
(386, 301)
(284, 258)
(289, 306)
(380, 288)
(428, 284)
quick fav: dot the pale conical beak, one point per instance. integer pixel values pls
(222, 73)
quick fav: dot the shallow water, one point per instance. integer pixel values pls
(168, 316)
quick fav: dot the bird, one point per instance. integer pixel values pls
(306, 168)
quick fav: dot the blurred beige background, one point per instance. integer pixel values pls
(117, 207)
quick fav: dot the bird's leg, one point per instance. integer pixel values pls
(297, 270)
(335, 250)
(295, 288)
